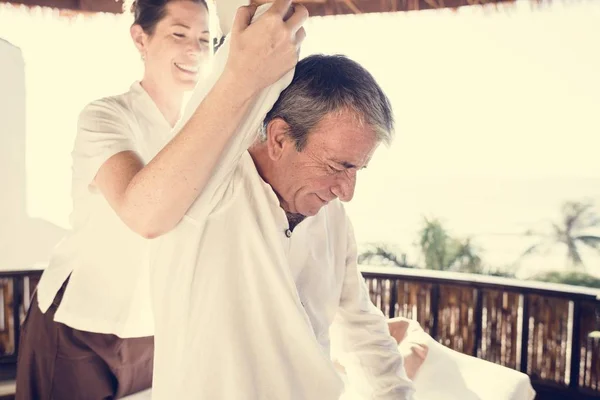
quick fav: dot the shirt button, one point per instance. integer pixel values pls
(288, 233)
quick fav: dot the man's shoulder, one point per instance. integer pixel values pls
(224, 194)
(334, 216)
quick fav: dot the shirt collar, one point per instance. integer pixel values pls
(144, 104)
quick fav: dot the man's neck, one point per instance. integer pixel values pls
(294, 219)
(260, 158)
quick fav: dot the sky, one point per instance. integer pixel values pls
(497, 115)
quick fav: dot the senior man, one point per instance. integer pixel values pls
(248, 285)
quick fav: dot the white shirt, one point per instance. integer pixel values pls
(108, 291)
(243, 308)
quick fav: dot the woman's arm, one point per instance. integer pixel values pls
(152, 199)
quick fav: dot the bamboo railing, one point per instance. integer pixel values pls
(548, 331)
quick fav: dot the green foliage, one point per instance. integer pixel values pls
(445, 253)
(571, 232)
(442, 252)
(570, 277)
(381, 254)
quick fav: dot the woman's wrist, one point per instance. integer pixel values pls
(239, 88)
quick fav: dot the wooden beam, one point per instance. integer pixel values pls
(315, 7)
(110, 6)
(329, 7)
(375, 6)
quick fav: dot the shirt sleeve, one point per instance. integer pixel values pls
(245, 135)
(102, 131)
(362, 340)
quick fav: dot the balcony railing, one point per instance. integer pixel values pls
(548, 331)
(15, 293)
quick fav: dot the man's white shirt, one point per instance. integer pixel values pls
(243, 307)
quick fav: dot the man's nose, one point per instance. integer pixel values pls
(344, 188)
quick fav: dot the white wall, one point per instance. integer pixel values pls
(24, 241)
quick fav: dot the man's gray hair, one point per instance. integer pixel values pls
(323, 84)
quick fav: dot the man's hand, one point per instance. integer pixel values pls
(412, 343)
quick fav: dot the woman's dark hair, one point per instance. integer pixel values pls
(148, 13)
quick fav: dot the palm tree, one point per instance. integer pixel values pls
(445, 253)
(440, 251)
(382, 254)
(576, 278)
(572, 232)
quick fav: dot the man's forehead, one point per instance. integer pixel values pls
(346, 142)
(359, 158)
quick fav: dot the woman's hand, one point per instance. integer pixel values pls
(263, 52)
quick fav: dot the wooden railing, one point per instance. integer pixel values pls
(548, 331)
(15, 293)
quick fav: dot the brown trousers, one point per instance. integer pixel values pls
(56, 362)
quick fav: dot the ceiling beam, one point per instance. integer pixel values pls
(315, 7)
(329, 7)
(110, 6)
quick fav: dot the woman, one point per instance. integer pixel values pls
(88, 333)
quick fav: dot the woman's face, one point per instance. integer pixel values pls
(179, 47)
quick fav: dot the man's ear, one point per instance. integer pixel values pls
(277, 138)
(140, 38)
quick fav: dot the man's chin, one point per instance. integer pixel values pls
(308, 209)
(311, 212)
